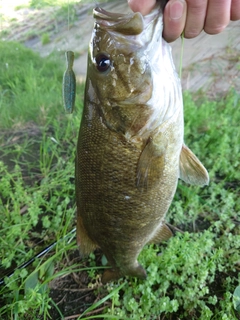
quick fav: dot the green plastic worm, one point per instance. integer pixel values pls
(69, 84)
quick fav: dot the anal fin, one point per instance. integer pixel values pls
(162, 234)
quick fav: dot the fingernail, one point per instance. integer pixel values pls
(176, 10)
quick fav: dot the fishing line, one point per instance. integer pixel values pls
(9, 273)
(1, 17)
(68, 16)
(181, 55)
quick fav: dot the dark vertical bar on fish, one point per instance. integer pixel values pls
(69, 84)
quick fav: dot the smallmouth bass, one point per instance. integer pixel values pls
(69, 84)
(130, 150)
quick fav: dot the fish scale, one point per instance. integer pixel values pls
(130, 150)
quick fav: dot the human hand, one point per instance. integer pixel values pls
(192, 16)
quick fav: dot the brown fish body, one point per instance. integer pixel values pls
(130, 140)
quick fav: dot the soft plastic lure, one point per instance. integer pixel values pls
(69, 84)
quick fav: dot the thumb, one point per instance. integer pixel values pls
(174, 19)
(143, 6)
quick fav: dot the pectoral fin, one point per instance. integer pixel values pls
(191, 169)
(150, 165)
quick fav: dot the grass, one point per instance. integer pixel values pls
(25, 94)
(195, 275)
(47, 17)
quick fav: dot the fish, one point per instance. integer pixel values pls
(69, 84)
(130, 149)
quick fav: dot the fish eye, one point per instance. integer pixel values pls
(103, 62)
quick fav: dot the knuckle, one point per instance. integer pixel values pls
(197, 7)
(215, 29)
(189, 34)
(235, 16)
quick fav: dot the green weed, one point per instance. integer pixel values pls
(36, 178)
(195, 275)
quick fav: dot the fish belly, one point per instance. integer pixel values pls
(113, 213)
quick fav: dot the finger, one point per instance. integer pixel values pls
(196, 11)
(143, 6)
(235, 10)
(174, 18)
(218, 16)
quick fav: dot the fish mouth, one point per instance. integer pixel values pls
(127, 24)
(100, 13)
